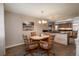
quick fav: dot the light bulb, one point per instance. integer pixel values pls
(39, 22)
(43, 21)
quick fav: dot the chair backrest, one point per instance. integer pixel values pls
(25, 39)
(33, 33)
(51, 40)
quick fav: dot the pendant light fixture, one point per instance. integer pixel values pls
(42, 21)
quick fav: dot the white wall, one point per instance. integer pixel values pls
(14, 30)
(2, 33)
(76, 27)
(77, 40)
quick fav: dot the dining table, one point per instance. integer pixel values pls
(42, 39)
(38, 38)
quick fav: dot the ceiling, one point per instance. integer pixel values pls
(50, 10)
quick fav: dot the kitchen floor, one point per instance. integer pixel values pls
(60, 50)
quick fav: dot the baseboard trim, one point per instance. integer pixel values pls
(14, 45)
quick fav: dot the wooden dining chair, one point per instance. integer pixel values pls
(30, 47)
(47, 46)
(33, 34)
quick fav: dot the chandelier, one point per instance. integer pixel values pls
(42, 21)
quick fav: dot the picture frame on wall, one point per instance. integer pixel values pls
(28, 26)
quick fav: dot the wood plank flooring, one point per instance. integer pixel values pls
(60, 50)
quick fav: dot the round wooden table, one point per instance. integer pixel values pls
(38, 38)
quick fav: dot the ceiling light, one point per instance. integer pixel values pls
(43, 21)
(39, 22)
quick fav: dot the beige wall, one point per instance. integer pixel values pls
(2, 33)
(76, 27)
(14, 30)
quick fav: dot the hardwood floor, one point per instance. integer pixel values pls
(60, 50)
